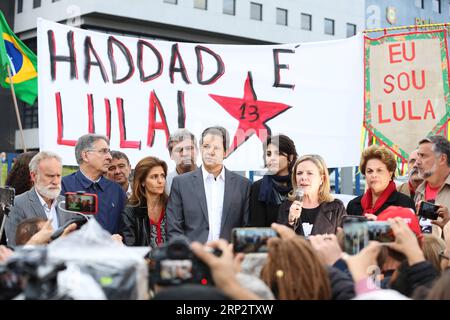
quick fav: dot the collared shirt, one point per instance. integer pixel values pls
(214, 191)
(111, 197)
(49, 212)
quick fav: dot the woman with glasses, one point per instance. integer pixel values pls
(144, 218)
(268, 193)
(310, 209)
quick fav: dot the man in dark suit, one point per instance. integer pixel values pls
(205, 204)
(42, 200)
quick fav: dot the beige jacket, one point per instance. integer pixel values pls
(404, 188)
(443, 197)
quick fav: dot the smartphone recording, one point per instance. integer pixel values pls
(428, 210)
(81, 202)
(380, 231)
(251, 240)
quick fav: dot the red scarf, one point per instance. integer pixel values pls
(366, 200)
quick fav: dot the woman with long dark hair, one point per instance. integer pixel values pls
(267, 194)
(144, 218)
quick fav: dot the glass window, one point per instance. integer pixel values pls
(329, 26)
(306, 21)
(351, 29)
(419, 4)
(36, 3)
(229, 7)
(201, 4)
(29, 115)
(437, 6)
(55, 1)
(255, 11)
(282, 17)
(19, 6)
(171, 1)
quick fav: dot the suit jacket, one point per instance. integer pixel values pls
(187, 212)
(27, 205)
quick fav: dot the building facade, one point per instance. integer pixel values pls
(396, 13)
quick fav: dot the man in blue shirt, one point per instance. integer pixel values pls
(93, 157)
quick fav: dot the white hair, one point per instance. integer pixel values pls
(36, 160)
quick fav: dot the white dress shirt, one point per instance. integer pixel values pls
(49, 212)
(214, 191)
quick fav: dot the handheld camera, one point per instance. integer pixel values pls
(428, 210)
(82, 202)
(174, 264)
(251, 240)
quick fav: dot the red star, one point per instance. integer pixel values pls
(251, 113)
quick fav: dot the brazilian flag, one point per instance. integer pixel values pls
(22, 62)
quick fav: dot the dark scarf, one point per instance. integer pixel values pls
(366, 200)
(269, 187)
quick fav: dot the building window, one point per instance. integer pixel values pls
(201, 4)
(171, 1)
(36, 3)
(255, 11)
(282, 18)
(306, 21)
(55, 1)
(420, 4)
(329, 26)
(229, 7)
(19, 6)
(437, 6)
(29, 116)
(351, 29)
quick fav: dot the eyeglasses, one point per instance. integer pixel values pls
(103, 151)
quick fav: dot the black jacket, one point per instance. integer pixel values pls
(342, 285)
(329, 217)
(410, 278)
(135, 226)
(354, 207)
(261, 214)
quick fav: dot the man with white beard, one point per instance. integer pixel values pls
(42, 199)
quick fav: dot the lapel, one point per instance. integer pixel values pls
(36, 204)
(227, 197)
(201, 196)
(323, 220)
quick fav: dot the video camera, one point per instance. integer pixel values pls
(30, 273)
(174, 264)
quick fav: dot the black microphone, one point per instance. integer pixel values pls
(79, 220)
(298, 195)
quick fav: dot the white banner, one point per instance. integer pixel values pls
(138, 91)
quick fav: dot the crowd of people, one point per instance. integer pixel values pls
(148, 206)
